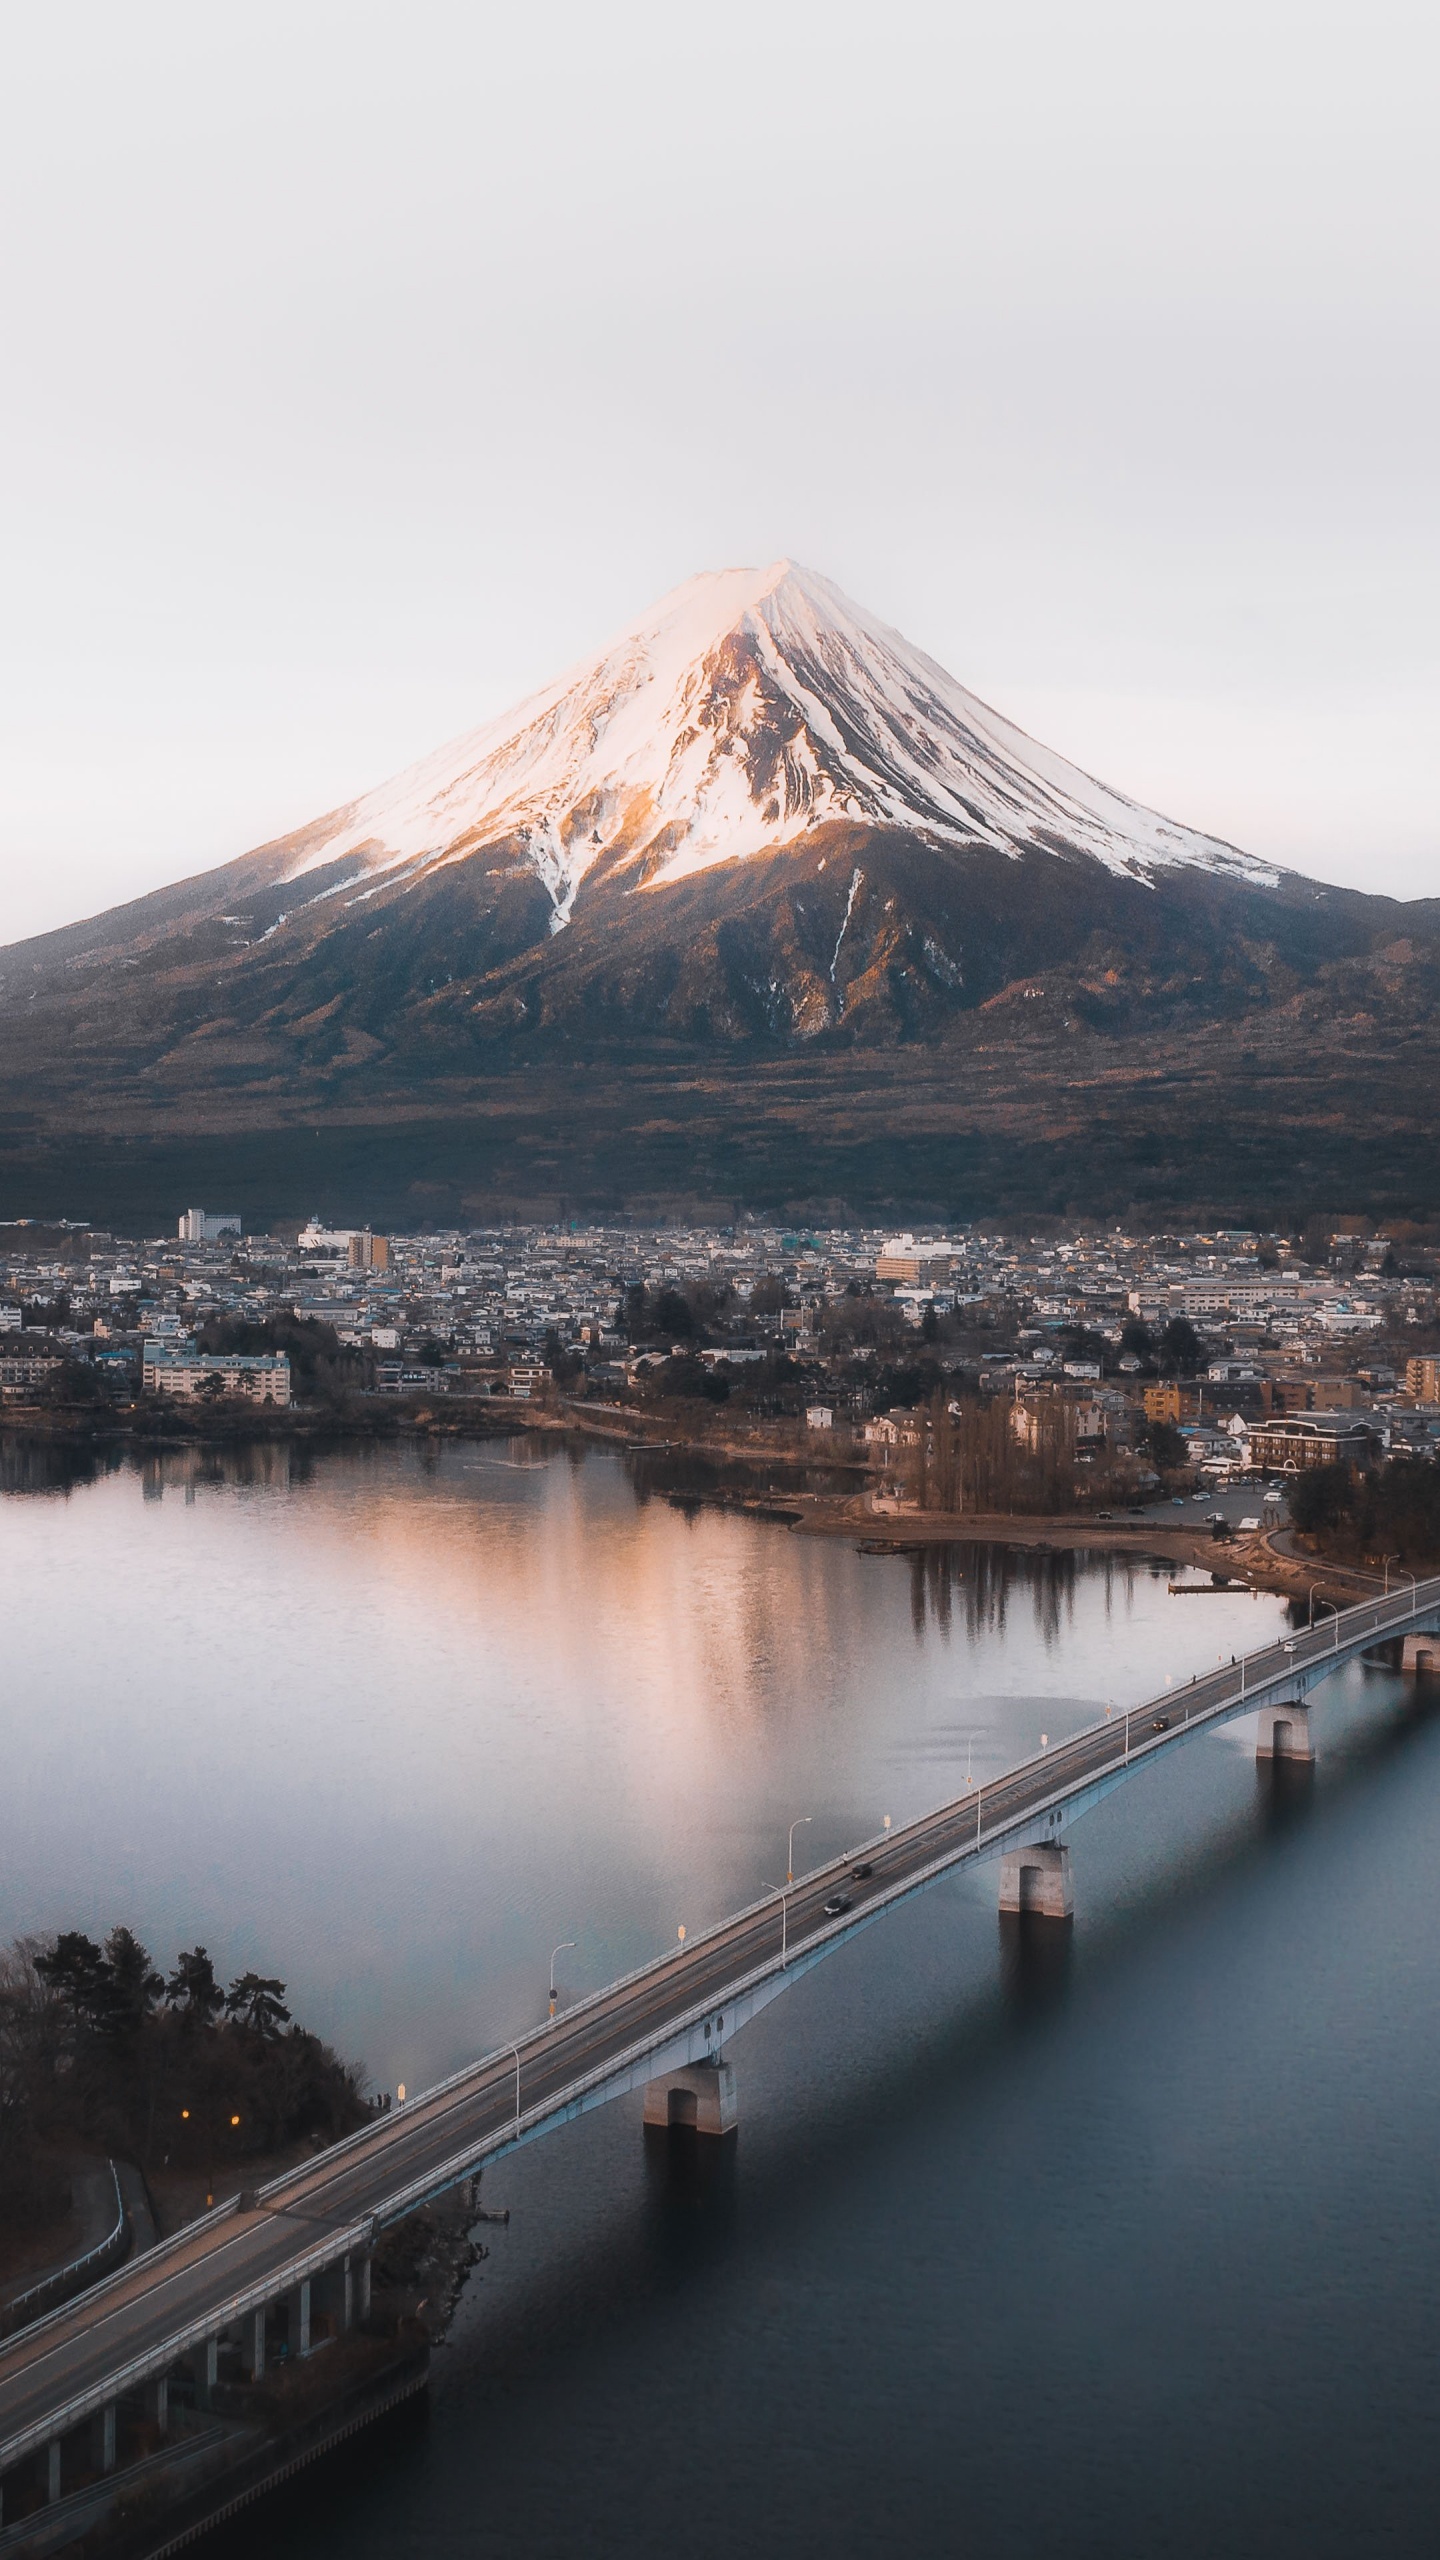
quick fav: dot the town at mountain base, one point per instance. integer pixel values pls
(760, 906)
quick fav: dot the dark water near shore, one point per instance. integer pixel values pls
(1125, 2242)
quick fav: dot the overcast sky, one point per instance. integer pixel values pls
(365, 365)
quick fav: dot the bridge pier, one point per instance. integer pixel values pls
(1037, 1879)
(300, 2319)
(254, 2344)
(700, 2095)
(207, 2370)
(157, 2404)
(1284, 1732)
(1420, 1653)
(54, 2470)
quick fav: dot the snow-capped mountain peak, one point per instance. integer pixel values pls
(744, 711)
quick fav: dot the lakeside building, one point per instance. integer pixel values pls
(1295, 1440)
(263, 1377)
(19, 1372)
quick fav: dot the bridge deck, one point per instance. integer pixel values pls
(140, 2319)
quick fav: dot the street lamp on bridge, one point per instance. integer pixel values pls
(790, 1852)
(1331, 1605)
(784, 1892)
(565, 1943)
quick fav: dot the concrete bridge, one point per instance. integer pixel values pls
(278, 2256)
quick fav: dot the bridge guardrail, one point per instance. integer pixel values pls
(55, 2290)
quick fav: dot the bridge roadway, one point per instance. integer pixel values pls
(139, 2321)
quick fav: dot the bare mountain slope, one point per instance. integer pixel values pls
(757, 821)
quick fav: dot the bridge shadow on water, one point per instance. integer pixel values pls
(1284, 1794)
(690, 2198)
(1037, 1966)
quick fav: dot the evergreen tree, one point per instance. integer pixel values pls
(257, 2000)
(193, 1989)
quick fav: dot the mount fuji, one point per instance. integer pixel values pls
(758, 824)
(744, 712)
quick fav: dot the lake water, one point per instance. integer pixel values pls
(1125, 2242)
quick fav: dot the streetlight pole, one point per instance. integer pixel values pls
(790, 1851)
(1333, 1607)
(784, 1892)
(559, 1951)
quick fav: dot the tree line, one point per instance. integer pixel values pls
(100, 2050)
(1369, 1514)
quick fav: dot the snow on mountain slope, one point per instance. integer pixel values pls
(743, 711)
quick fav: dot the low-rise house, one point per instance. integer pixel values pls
(893, 1431)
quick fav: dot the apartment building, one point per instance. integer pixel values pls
(1295, 1440)
(261, 1377)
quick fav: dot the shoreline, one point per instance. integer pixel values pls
(1257, 1561)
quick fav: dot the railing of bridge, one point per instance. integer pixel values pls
(60, 2287)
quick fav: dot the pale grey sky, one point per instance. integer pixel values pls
(364, 365)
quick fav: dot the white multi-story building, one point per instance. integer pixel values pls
(207, 1226)
(262, 1377)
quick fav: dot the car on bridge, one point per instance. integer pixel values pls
(837, 1903)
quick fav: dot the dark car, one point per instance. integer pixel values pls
(862, 1871)
(1161, 1724)
(837, 1903)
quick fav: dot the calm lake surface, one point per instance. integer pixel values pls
(1125, 2243)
